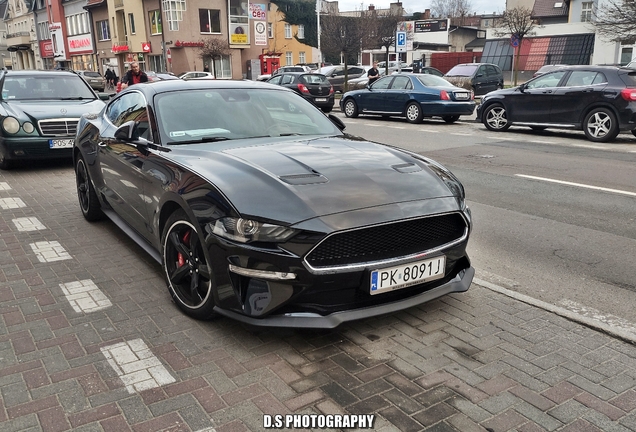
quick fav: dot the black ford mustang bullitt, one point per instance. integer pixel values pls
(260, 208)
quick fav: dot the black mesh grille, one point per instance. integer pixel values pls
(58, 127)
(387, 241)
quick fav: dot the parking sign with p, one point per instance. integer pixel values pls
(400, 41)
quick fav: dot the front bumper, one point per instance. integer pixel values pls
(460, 283)
(32, 148)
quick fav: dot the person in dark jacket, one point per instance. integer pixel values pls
(134, 76)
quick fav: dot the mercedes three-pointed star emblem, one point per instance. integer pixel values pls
(63, 110)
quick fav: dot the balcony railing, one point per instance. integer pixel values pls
(19, 38)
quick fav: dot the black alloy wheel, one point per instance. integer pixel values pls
(186, 267)
(495, 119)
(351, 108)
(600, 125)
(89, 203)
(451, 119)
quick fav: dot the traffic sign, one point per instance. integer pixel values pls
(514, 40)
(400, 41)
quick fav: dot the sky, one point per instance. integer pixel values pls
(479, 6)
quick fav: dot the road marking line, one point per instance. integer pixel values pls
(541, 142)
(618, 191)
(4, 186)
(589, 146)
(11, 203)
(632, 151)
(396, 127)
(49, 251)
(372, 124)
(136, 366)
(496, 138)
(429, 130)
(461, 134)
(84, 296)
(622, 333)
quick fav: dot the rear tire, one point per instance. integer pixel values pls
(600, 125)
(351, 108)
(451, 119)
(186, 267)
(327, 110)
(88, 201)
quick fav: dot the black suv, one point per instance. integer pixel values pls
(312, 86)
(481, 78)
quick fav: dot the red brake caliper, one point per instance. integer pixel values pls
(181, 260)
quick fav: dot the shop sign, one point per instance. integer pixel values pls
(81, 44)
(258, 11)
(57, 38)
(431, 26)
(46, 48)
(120, 48)
(145, 47)
(238, 34)
(260, 33)
(181, 44)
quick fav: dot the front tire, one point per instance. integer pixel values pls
(88, 201)
(600, 125)
(450, 119)
(413, 113)
(495, 118)
(186, 267)
(351, 108)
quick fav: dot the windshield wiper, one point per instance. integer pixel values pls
(200, 140)
(77, 98)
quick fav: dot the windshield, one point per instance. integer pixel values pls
(46, 87)
(314, 79)
(434, 81)
(92, 74)
(462, 70)
(208, 115)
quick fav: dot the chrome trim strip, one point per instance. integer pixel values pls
(261, 274)
(383, 263)
(545, 124)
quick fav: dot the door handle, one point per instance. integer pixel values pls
(547, 91)
(102, 144)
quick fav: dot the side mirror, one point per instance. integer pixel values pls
(127, 132)
(479, 75)
(523, 87)
(104, 96)
(335, 120)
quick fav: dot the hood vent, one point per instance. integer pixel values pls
(304, 179)
(407, 168)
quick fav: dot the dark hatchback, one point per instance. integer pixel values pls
(259, 208)
(409, 95)
(481, 78)
(316, 88)
(600, 100)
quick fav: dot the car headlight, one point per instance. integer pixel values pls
(247, 230)
(28, 127)
(11, 125)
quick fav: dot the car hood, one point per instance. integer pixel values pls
(43, 109)
(293, 180)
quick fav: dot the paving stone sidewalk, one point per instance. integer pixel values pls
(90, 341)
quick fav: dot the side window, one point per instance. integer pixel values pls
(546, 80)
(401, 83)
(356, 70)
(382, 83)
(132, 107)
(580, 78)
(287, 79)
(275, 80)
(492, 71)
(481, 71)
(599, 79)
(113, 111)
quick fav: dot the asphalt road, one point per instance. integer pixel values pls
(572, 245)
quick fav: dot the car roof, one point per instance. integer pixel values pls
(31, 72)
(164, 86)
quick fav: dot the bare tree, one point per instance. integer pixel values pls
(381, 32)
(214, 48)
(451, 8)
(616, 20)
(518, 23)
(344, 35)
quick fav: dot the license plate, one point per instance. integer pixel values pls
(461, 96)
(321, 99)
(61, 143)
(392, 278)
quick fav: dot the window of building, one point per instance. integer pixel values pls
(131, 22)
(586, 11)
(155, 22)
(43, 30)
(174, 12)
(288, 29)
(270, 30)
(288, 58)
(223, 67)
(103, 31)
(77, 24)
(210, 20)
(301, 31)
(301, 57)
(626, 55)
(156, 63)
